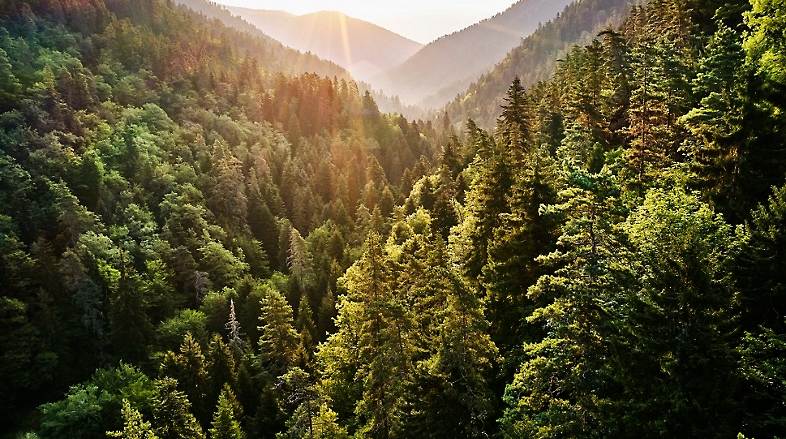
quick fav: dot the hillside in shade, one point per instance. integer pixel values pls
(363, 48)
(453, 61)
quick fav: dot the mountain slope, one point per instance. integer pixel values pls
(534, 59)
(361, 47)
(453, 61)
(282, 59)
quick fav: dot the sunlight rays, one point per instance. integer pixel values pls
(342, 20)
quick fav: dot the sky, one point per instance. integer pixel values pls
(419, 20)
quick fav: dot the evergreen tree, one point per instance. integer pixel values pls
(189, 371)
(486, 199)
(523, 235)
(677, 322)
(305, 326)
(172, 418)
(718, 148)
(134, 427)
(765, 49)
(373, 338)
(450, 392)
(513, 125)
(278, 340)
(221, 368)
(565, 381)
(225, 424)
(760, 266)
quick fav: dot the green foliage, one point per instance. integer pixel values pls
(762, 366)
(134, 427)
(278, 339)
(170, 333)
(407, 384)
(562, 386)
(225, 423)
(764, 46)
(172, 417)
(684, 254)
(92, 408)
(759, 266)
(188, 369)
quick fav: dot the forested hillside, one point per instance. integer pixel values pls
(245, 37)
(289, 61)
(533, 60)
(363, 48)
(156, 170)
(194, 247)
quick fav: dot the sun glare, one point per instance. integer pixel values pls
(419, 20)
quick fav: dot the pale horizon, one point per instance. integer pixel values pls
(419, 20)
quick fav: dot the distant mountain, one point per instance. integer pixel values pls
(534, 59)
(452, 62)
(363, 48)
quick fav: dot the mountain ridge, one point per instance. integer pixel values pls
(362, 47)
(443, 62)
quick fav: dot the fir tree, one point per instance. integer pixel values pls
(134, 427)
(225, 424)
(278, 340)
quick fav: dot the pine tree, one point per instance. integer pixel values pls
(134, 427)
(131, 328)
(373, 339)
(523, 235)
(305, 326)
(450, 394)
(486, 200)
(188, 368)
(279, 340)
(221, 368)
(717, 148)
(760, 270)
(312, 418)
(225, 424)
(676, 322)
(514, 125)
(561, 387)
(171, 413)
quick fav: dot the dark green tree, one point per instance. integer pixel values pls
(279, 339)
(172, 418)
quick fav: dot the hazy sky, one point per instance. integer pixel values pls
(419, 20)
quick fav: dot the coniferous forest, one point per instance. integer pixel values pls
(199, 239)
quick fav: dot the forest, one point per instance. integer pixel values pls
(199, 241)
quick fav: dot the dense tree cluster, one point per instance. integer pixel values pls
(158, 176)
(194, 245)
(534, 60)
